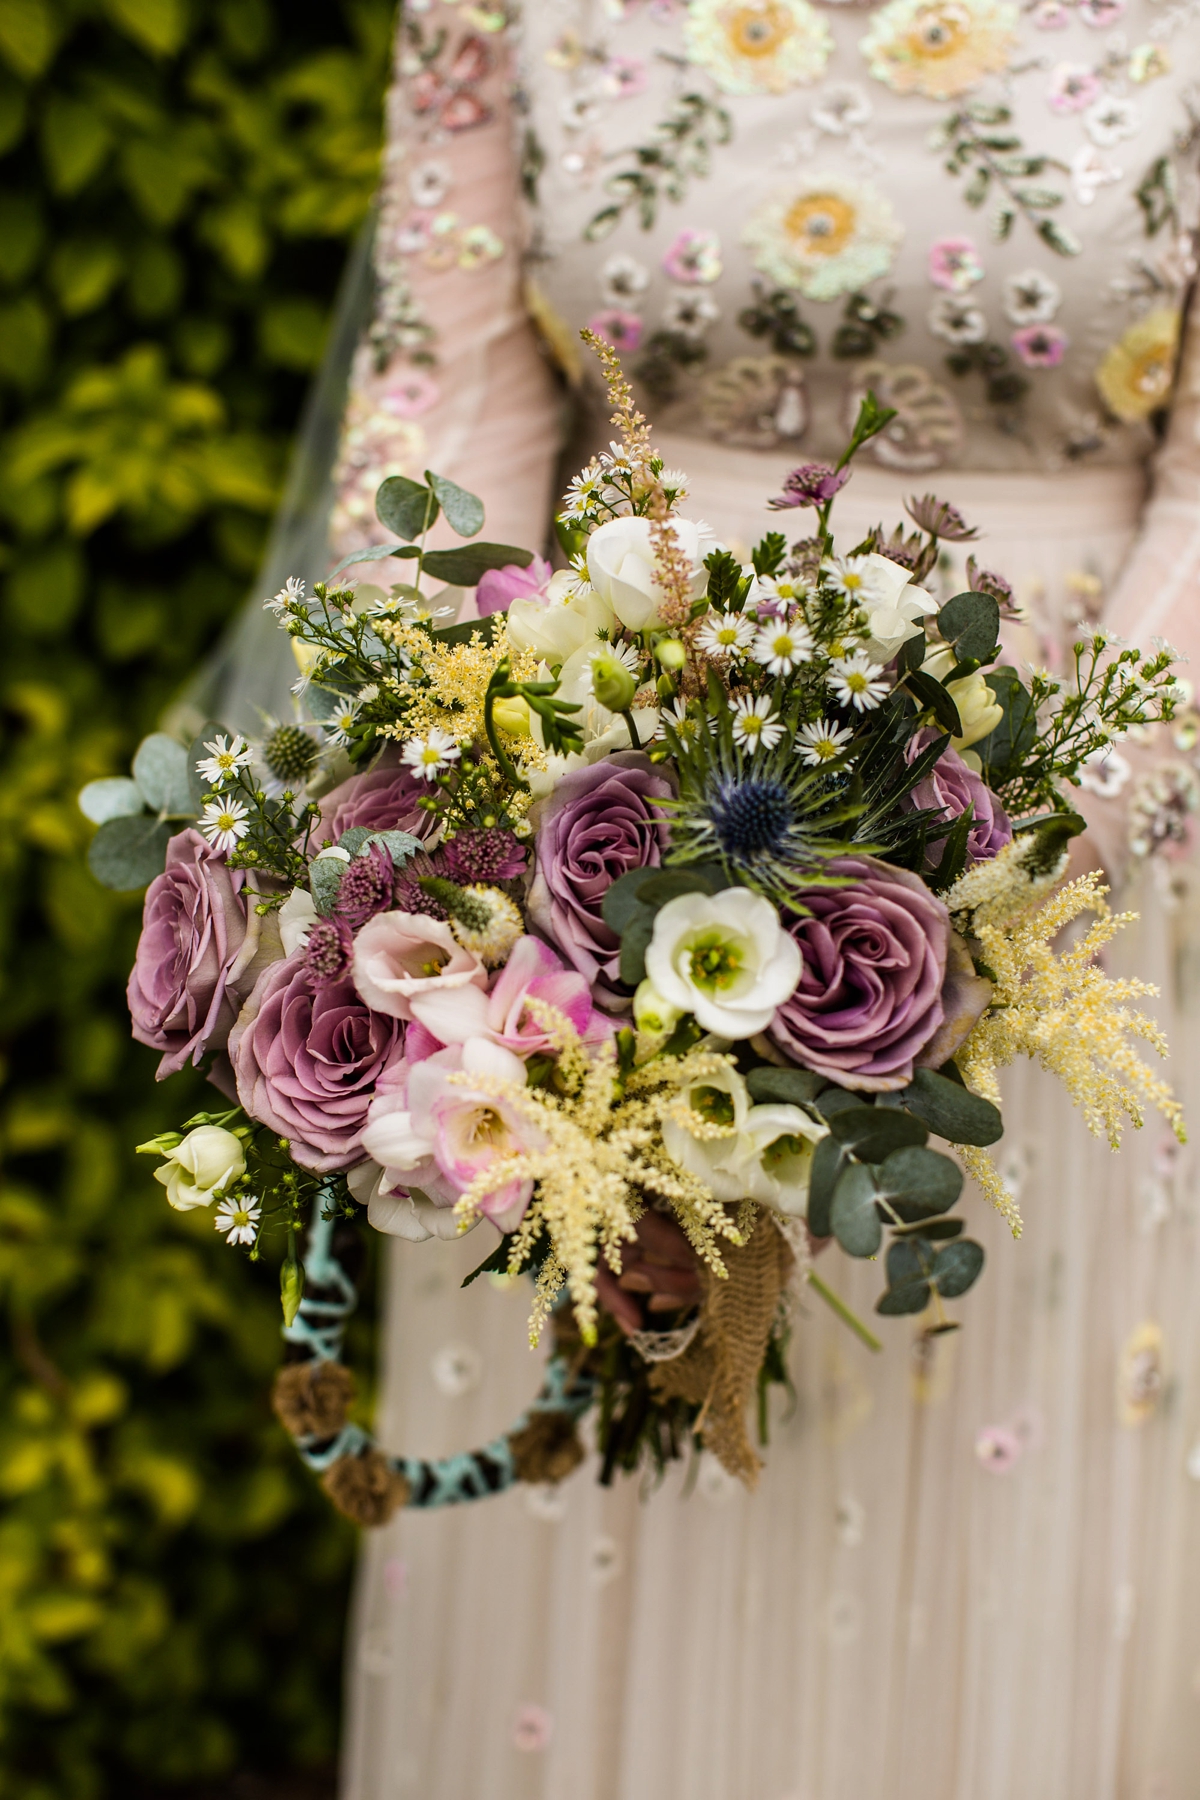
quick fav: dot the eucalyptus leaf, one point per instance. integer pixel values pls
(853, 1213)
(828, 1158)
(908, 1263)
(971, 622)
(1004, 750)
(931, 1228)
(400, 845)
(669, 884)
(957, 1267)
(916, 1182)
(160, 769)
(790, 1087)
(463, 511)
(128, 853)
(373, 553)
(835, 1100)
(621, 901)
(908, 1297)
(954, 1112)
(635, 941)
(873, 1132)
(406, 507)
(464, 567)
(324, 879)
(112, 797)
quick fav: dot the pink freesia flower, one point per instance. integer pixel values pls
(623, 330)
(694, 257)
(532, 972)
(1073, 86)
(954, 264)
(431, 1133)
(399, 957)
(1040, 346)
(498, 588)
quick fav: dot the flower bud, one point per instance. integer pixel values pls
(291, 1290)
(201, 1165)
(652, 1014)
(670, 653)
(512, 716)
(612, 683)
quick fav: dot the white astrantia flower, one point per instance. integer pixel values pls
(780, 647)
(887, 594)
(1031, 298)
(725, 633)
(224, 824)
(822, 741)
(754, 723)
(200, 1166)
(227, 756)
(427, 756)
(857, 682)
(297, 916)
(238, 1219)
(725, 958)
(620, 563)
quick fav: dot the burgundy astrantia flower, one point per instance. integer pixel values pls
(949, 788)
(366, 887)
(869, 998)
(327, 952)
(985, 581)
(940, 519)
(599, 823)
(307, 1060)
(495, 855)
(812, 484)
(194, 929)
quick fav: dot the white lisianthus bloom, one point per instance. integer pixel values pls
(651, 1013)
(777, 1143)
(745, 1152)
(620, 560)
(886, 592)
(297, 916)
(201, 1167)
(725, 958)
(568, 619)
(979, 711)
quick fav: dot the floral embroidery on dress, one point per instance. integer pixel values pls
(680, 149)
(757, 46)
(756, 401)
(1040, 346)
(940, 48)
(825, 235)
(928, 426)
(1031, 298)
(1135, 375)
(954, 264)
(695, 256)
(982, 145)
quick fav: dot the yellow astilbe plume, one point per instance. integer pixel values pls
(1061, 1009)
(603, 1153)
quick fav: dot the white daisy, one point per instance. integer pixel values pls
(429, 755)
(857, 683)
(238, 1219)
(854, 582)
(725, 634)
(821, 741)
(338, 729)
(780, 647)
(227, 757)
(289, 594)
(754, 723)
(584, 490)
(224, 824)
(678, 718)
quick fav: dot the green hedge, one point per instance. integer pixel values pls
(178, 183)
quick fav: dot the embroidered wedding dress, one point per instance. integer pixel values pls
(971, 1570)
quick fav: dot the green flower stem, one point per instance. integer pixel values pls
(843, 1312)
(634, 739)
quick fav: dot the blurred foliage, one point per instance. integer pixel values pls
(178, 183)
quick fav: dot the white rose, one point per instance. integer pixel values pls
(201, 1167)
(620, 559)
(297, 916)
(724, 958)
(893, 603)
(978, 710)
(567, 620)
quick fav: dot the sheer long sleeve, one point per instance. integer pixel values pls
(450, 375)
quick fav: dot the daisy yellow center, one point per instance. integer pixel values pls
(727, 634)
(757, 30)
(716, 962)
(852, 582)
(857, 682)
(430, 757)
(752, 724)
(824, 748)
(783, 645)
(226, 821)
(822, 223)
(225, 761)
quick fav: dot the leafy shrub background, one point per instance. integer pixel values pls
(178, 183)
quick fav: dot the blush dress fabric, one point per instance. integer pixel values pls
(971, 1570)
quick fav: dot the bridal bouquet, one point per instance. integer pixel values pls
(663, 918)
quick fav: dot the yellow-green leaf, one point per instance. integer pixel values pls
(28, 35)
(83, 272)
(76, 139)
(159, 26)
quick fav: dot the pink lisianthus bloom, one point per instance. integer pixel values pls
(532, 972)
(399, 956)
(432, 1136)
(498, 588)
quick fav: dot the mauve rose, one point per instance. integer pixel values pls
(193, 933)
(307, 1062)
(385, 799)
(599, 823)
(869, 998)
(498, 588)
(948, 789)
